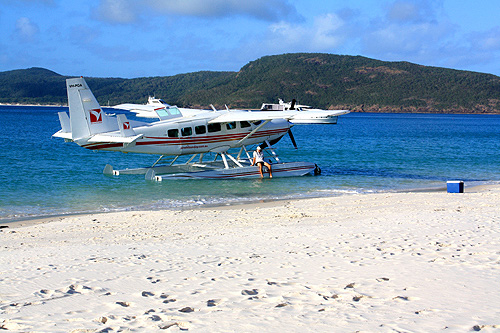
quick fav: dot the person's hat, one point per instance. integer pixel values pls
(258, 148)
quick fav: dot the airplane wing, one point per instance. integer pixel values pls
(320, 113)
(234, 115)
(230, 116)
(137, 107)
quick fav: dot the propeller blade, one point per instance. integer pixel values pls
(292, 106)
(292, 138)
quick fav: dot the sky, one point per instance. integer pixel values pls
(143, 38)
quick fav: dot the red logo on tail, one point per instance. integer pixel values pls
(126, 125)
(95, 116)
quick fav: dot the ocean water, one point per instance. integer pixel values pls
(364, 152)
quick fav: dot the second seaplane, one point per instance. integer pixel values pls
(199, 134)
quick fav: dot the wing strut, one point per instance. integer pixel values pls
(253, 132)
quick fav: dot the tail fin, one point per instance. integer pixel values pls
(64, 120)
(124, 125)
(86, 115)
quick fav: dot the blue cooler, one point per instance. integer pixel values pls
(455, 186)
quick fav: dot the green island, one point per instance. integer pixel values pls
(320, 80)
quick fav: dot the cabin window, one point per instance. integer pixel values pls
(231, 125)
(187, 131)
(173, 133)
(257, 123)
(214, 127)
(174, 111)
(244, 124)
(200, 129)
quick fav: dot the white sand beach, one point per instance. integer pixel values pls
(405, 262)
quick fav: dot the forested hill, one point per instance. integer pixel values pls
(320, 80)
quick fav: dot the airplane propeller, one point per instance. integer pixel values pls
(292, 106)
(292, 138)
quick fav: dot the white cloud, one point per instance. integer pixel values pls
(414, 11)
(117, 11)
(24, 2)
(26, 30)
(128, 11)
(267, 10)
(486, 41)
(411, 30)
(325, 34)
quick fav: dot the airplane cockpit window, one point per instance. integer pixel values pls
(244, 124)
(162, 113)
(163, 102)
(215, 127)
(187, 131)
(200, 129)
(173, 133)
(174, 111)
(231, 125)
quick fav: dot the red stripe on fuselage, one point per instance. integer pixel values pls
(187, 140)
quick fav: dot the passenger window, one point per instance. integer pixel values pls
(173, 133)
(200, 129)
(244, 124)
(231, 125)
(187, 131)
(214, 127)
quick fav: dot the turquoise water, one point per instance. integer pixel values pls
(363, 153)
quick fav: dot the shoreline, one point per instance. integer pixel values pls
(27, 221)
(394, 111)
(413, 261)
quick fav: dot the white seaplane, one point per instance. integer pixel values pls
(144, 110)
(180, 132)
(306, 114)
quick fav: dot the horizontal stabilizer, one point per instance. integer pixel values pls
(63, 135)
(113, 138)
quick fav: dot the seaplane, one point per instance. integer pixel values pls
(144, 110)
(214, 142)
(306, 114)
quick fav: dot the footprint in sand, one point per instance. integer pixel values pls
(213, 302)
(187, 309)
(382, 279)
(124, 304)
(183, 326)
(357, 298)
(252, 292)
(167, 300)
(153, 280)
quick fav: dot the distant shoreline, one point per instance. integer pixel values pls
(44, 105)
(352, 111)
